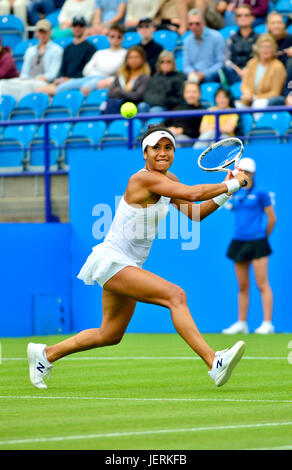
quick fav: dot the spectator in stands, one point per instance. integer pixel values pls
(203, 50)
(75, 57)
(239, 45)
(41, 64)
(39, 8)
(14, 7)
(259, 9)
(152, 49)
(265, 74)
(71, 9)
(100, 71)
(8, 67)
(165, 89)
(131, 81)
(167, 15)
(211, 9)
(276, 27)
(106, 13)
(227, 122)
(185, 128)
(167, 11)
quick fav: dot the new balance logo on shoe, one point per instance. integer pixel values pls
(40, 367)
(220, 363)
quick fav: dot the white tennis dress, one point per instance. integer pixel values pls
(127, 243)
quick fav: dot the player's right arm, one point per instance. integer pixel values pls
(154, 182)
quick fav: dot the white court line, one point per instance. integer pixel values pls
(228, 400)
(148, 358)
(141, 433)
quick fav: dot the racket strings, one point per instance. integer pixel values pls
(221, 156)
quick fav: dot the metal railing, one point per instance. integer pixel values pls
(47, 172)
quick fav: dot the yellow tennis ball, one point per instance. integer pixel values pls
(128, 110)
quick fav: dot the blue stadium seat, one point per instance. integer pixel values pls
(247, 122)
(93, 102)
(260, 28)
(13, 143)
(65, 103)
(63, 42)
(53, 17)
(208, 91)
(99, 41)
(7, 104)
(20, 49)
(235, 90)
(284, 7)
(11, 30)
(30, 106)
(86, 132)
(118, 131)
(166, 38)
(131, 38)
(58, 133)
(178, 55)
(228, 31)
(271, 123)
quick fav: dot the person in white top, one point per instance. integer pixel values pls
(100, 71)
(116, 264)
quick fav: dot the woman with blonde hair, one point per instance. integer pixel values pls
(131, 81)
(165, 88)
(265, 75)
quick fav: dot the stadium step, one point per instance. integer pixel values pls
(22, 198)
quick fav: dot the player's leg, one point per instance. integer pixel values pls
(260, 267)
(145, 286)
(117, 312)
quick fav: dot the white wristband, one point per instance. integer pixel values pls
(232, 185)
(221, 199)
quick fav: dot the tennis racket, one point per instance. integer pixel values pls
(222, 154)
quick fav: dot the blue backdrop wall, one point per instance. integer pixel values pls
(97, 179)
(35, 279)
(40, 293)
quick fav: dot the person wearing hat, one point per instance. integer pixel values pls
(76, 55)
(116, 264)
(41, 64)
(69, 10)
(146, 28)
(254, 221)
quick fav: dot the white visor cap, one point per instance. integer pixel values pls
(247, 164)
(153, 138)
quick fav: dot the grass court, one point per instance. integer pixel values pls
(149, 392)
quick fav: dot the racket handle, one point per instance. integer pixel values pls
(234, 172)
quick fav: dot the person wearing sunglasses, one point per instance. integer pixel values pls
(203, 50)
(239, 45)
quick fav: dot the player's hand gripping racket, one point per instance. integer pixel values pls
(222, 154)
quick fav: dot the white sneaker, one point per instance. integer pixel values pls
(236, 328)
(266, 328)
(224, 363)
(39, 366)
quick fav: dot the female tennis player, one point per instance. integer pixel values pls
(116, 264)
(255, 219)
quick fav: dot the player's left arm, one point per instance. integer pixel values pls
(271, 219)
(193, 211)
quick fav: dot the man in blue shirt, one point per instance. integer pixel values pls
(203, 50)
(254, 221)
(107, 12)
